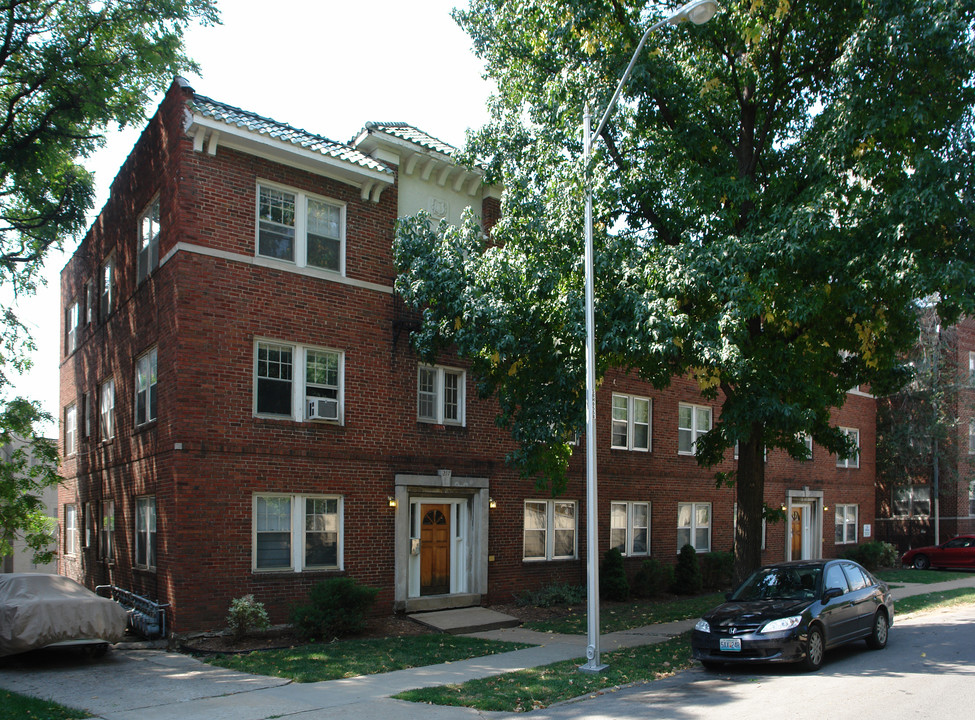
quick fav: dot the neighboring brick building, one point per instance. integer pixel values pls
(242, 412)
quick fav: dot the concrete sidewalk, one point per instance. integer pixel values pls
(134, 684)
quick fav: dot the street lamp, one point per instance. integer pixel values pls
(698, 12)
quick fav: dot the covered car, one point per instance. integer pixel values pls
(959, 552)
(37, 610)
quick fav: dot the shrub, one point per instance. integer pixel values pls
(246, 615)
(336, 607)
(717, 569)
(613, 584)
(652, 579)
(873, 555)
(687, 574)
(552, 595)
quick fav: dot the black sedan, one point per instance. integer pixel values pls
(794, 612)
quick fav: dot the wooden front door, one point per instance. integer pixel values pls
(435, 550)
(797, 513)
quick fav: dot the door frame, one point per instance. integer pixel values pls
(814, 500)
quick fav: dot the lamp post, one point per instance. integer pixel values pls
(698, 12)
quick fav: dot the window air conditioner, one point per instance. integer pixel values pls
(323, 409)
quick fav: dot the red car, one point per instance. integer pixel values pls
(959, 552)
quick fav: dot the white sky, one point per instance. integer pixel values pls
(327, 66)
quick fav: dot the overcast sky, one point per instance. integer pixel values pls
(327, 66)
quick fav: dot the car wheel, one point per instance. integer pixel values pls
(921, 562)
(815, 650)
(877, 640)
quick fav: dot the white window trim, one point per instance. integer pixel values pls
(299, 371)
(106, 531)
(152, 250)
(915, 494)
(152, 357)
(971, 366)
(971, 436)
(298, 533)
(91, 528)
(73, 323)
(90, 301)
(106, 410)
(550, 530)
(695, 431)
(630, 527)
(845, 522)
(106, 288)
(693, 527)
(70, 429)
(152, 537)
(631, 400)
(853, 462)
(301, 236)
(441, 371)
(71, 535)
(807, 440)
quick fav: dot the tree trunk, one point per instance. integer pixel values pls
(750, 492)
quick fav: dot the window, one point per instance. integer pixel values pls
(72, 322)
(145, 533)
(145, 388)
(297, 532)
(70, 430)
(971, 498)
(90, 529)
(106, 410)
(692, 422)
(971, 366)
(298, 382)
(694, 526)
(846, 524)
(912, 501)
(149, 240)
(86, 412)
(106, 288)
(631, 423)
(852, 461)
(806, 439)
(629, 527)
(70, 529)
(299, 228)
(440, 395)
(90, 302)
(550, 529)
(971, 436)
(106, 544)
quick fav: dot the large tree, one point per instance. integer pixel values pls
(776, 190)
(69, 70)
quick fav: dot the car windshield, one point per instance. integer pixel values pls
(778, 583)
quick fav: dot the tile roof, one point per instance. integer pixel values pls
(407, 132)
(285, 133)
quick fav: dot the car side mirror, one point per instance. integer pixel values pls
(833, 592)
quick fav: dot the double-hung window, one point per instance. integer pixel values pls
(72, 321)
(440, 395)
(631, 422)
(70, 429)
(145, 532)
(971, 436)
(90, 302)
(106, 410)
(912, 501)
(70, 529)
(297, 532)
(550, 529)
(299, 228)
(971, 367)
(693, 421)
(846, 524)
(145, 388)
(148, 240)
(694, 526)
(629, 527)
(106, 540)
(971, 498)
(298, 382)
(90, 528)
(106, 291)
(850, 461)
(86, 412)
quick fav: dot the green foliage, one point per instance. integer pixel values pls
(613, 584)
(652, 579)
(14, 706)
(874, 555)
(687, 573)
(246, 615)
(717, 569)
(336, 607)
(552, 595)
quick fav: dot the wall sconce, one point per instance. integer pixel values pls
(492, 503)
(825, 508)
(784, 508)
(392, 501)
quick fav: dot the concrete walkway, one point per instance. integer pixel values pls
(131, 684)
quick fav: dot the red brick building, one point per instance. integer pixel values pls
(242, 413)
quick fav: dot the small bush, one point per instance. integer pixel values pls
(687, 574)
(246, 615)
(551, 595)
(874, 555)
(652, 579)
(613, 584)
(337, 607)
(717, 569)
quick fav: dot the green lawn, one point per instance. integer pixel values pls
(626, 616)
(910, 575)
(21, 707)
(934, 601)
(348, 658)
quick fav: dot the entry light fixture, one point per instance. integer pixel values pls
(492, 503)
(392, 501)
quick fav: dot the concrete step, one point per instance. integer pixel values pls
(461, 621)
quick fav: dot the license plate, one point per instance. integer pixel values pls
(730, 644)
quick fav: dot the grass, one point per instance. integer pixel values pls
(626, 616)
(348, 658)
(542, 686)
(21, 707)
(934, 601)
(910, 575)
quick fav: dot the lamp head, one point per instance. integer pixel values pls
(697, 11)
